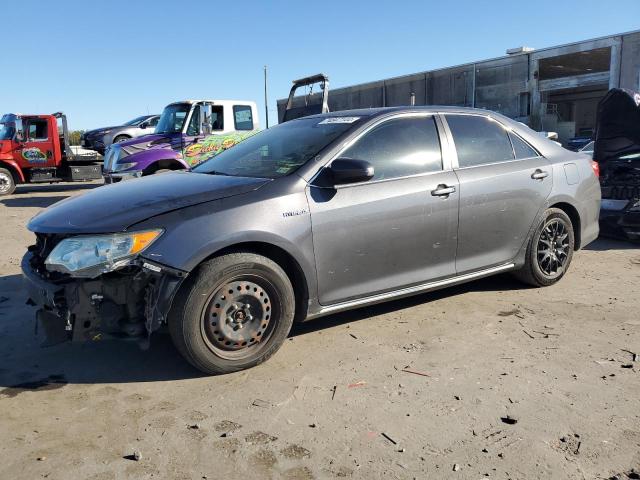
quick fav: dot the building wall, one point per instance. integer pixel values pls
(509, 85)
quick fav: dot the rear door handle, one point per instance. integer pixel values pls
(443, 190)
(539, 174)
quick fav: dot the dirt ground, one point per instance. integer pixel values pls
(490, 379)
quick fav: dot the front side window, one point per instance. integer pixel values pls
(173, 118)
(399, 148)
(243, 117)
(194, 123)
(153, 121)
(37, 130)
(278, 151)
(479, 140)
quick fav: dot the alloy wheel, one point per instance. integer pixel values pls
(553, 248)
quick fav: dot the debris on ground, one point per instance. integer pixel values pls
(456, 467)
(406, 370)
(41, 459)
(357, 384)
(136, 456)
(194, 426)
(634, 356)
(515, 312)
(333, 392)
(509, 420)
(259, 438)
(260, 403)
(226, 426)
(389, 438)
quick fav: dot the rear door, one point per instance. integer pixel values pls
(504, 183)
(37, 148)
(395, 230)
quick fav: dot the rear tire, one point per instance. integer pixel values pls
(549, 251)
(232, 313)
(7, 182)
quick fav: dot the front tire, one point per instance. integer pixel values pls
(121, 138)
(549, 251)
(232, 313)
(7, 183)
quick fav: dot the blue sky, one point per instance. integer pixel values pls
(103, 63)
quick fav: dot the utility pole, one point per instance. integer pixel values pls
(266, 101)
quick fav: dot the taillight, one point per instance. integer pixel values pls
(596, 168)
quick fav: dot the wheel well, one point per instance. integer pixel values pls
(14, 172)
(284, 259)
(573, 214)
(122, 135)
(169, 164)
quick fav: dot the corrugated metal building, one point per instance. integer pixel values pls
(553, 89)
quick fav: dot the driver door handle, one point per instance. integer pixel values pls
(443, 190)
(539, 174)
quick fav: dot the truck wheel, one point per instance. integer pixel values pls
(549, 251)
(7, 183)
(232, 313)
(121, 138)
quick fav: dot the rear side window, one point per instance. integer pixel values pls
(521, 148)
(400, 147)
(243, 117)
(479, 140)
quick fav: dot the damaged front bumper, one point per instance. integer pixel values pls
(129, 303)
(620, 218)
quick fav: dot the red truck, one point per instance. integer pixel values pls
(35, 149)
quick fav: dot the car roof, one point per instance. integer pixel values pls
(372, 112)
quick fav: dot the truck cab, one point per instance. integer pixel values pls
(35, 149)
(188, 132)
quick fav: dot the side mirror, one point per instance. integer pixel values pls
(205, 117)
(349, 170)
(143, 125)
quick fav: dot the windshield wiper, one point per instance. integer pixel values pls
(215, 172)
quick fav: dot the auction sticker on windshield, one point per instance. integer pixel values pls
(339, 120)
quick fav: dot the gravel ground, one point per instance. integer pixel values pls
(490, 379)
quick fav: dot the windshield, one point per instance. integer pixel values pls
(135, 122)
(278, 151)
(7, 130)
(172, 118)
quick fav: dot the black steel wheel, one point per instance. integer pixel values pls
(7, 183)
(550, 250)
(234, 312)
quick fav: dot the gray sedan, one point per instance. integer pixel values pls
(101, 138)
(314, 216)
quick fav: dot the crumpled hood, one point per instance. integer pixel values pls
(114, 208)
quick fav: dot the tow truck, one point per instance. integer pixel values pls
(35, 149)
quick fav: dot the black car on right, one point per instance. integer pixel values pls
(617, 151)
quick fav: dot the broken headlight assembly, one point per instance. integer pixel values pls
(90, 256)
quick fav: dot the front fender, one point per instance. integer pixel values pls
(146, 158)
(14, 167)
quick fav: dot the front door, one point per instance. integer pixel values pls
(37, 149)
(504, 183)
(397, 229)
